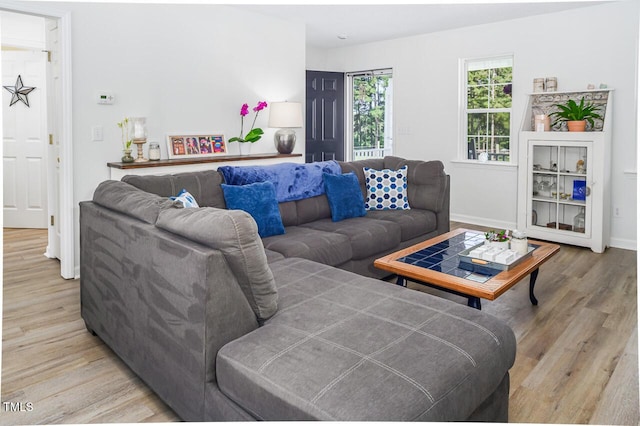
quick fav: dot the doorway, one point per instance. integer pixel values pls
(24, 147)
(56, 160)
(370, 105)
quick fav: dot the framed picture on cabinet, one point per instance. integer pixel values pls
(196, 145)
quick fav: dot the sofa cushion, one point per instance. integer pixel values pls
(259, 200)
(288, 213)
(386, 189)
(346, 347)
(413, 223)
(345, 197)
(367, 236)
(124, 198)
(313, 208)
(427, 182)
(325, 247)
(204, 186)
(235, 234)
(357, 167)
(273, 256)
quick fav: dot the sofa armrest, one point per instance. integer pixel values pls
(163, 303)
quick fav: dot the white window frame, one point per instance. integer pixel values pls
(463, 138)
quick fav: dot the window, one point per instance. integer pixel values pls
(487, 109)
(370, 100)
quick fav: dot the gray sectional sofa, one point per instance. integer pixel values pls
(224, 325)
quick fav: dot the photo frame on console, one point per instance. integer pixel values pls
(196, 145)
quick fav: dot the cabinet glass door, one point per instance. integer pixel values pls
(559, 186)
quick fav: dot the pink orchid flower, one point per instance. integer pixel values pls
(261, 105)
(244, 110)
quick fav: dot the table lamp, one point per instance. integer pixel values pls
(287, 116)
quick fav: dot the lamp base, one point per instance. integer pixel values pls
(285, 140)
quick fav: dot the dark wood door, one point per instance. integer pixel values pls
(325, 116)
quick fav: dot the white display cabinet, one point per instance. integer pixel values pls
(564, 177)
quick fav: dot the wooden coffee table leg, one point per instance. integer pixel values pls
(532, 283)
(474, 302)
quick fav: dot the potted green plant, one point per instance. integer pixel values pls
(126, 142)
(576, 115)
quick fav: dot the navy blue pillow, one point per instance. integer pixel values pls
(345, 197)
(259, 200)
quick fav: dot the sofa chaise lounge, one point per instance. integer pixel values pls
(225, 325)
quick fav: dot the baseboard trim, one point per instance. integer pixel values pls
(623, 243)
(482, 221)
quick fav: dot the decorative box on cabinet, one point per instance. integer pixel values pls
(564, 177)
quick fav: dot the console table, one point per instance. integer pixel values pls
(163, 167)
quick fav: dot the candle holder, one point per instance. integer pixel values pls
(139, 132)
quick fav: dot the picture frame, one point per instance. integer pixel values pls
(196, 145)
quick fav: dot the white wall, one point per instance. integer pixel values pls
(187, 68)
(426, 97)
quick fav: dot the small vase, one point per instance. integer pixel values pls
(127, 157)
(245, 148)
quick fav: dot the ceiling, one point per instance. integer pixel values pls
(365, 23)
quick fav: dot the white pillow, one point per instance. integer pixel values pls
(386, 189)
(186, 199)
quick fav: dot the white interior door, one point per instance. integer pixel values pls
(24, 146)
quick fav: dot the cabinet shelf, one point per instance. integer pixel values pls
(568, 202)
(552, 173)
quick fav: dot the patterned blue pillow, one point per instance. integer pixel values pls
(386, 189)
(259, 200)
(344, 195)
(186, 199)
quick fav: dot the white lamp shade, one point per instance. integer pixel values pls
(285, 114)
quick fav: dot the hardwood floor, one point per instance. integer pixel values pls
(577, 358)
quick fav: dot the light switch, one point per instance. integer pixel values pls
(97, 133)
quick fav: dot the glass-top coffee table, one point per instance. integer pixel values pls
(437, 263)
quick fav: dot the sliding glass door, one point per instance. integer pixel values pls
(370, 129)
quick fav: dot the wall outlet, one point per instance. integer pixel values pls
(616, 212)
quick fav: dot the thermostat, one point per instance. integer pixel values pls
(105, 98)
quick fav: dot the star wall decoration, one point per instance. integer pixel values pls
(19, 92)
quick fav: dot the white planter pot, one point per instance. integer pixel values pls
(245, 148)
(500, 244)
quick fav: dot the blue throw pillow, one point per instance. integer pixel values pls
(259, 200)
(345, 197)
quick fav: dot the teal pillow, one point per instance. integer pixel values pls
(259, 200)
(345, 197)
